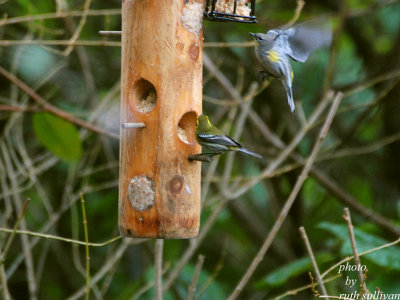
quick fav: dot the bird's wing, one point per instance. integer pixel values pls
(300, 40)
(223, 140)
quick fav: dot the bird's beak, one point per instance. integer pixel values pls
(252, 34)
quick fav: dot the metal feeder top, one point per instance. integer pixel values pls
(211, 14)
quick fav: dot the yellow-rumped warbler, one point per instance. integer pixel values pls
(274, 48)
(213, 139)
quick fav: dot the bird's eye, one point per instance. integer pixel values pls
(258, 38)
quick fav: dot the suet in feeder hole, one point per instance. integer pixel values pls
(230, 11)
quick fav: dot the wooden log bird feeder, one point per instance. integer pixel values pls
(161, 96)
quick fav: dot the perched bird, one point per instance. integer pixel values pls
(214, 140)
(274, 49)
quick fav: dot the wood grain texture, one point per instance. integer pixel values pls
(159, 191)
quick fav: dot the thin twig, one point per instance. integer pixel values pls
(369, 109)
(100, 43)
(158, 258)
(109, 264)
(55, 215)
(221, 78)
(3, 279)
(17, 201)
(297, 13)
(359, 254)
(359, 87)
(288, 204)
(285, 151)
(59, 238)
(326, 181)
(313, 289)
(354, 151)
(18, 108)
(52, 109)
(79, 28)
(195, 279)
(313, 260)
(214, 274)
(239, 127)
(194, 245)
(87, 292)
(60, 14)
(336, 297)
(228, 45)
(305, 287)
(334, 48)
(13, 232)
(349, 200)
(148, 285)
(350, 228)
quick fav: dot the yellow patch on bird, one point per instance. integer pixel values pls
(273, 56)
(292, 75)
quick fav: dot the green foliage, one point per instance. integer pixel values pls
(388, 257)
(281, 275)
(390, 19)
(361, 190)
(312, 193)
(58, 136)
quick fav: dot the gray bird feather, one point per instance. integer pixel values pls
(302, 39)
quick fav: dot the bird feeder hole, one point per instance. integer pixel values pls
(187, 127)
(144, 96)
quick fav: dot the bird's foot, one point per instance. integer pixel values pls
(262, 76)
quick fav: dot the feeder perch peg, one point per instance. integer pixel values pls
(110, 33)
(228, 11)
(127, 125)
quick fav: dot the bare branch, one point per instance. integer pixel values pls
(13, 232)
(299, 7)
(52, 109)
(360, 254)
(54, 237)
(59, 14)
(87, 292)
(313, 260)
(347, 218)
(289, 202)
(89, 43)
(158, 258)
(305, 287)
(195, 279)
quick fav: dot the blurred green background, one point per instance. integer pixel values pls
(51, 160)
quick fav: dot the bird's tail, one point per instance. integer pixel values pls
(289, 94)
(248, 152)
